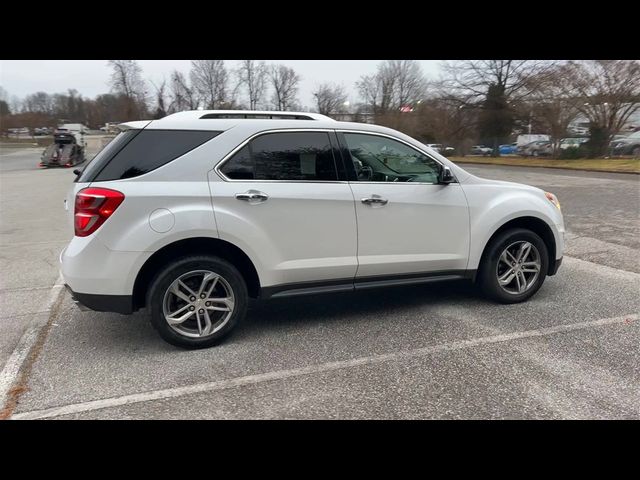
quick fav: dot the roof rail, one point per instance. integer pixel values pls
(249, 114)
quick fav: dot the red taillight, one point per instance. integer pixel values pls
(93, 207)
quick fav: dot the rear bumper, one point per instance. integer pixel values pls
(102, 303)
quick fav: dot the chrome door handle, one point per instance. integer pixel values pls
(374, 200)
(253, 196)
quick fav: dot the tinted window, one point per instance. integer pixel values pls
(381, 159)
(150, 149)
(284, 156)
(103, 156)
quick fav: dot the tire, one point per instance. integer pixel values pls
(489, 270)
(636, 152)
(190, 269)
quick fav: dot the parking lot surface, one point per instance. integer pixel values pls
(427, 351)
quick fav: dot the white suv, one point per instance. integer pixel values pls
(192, 215)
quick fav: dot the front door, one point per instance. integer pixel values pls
(407, 222)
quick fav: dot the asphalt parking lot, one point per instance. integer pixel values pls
(428, 351)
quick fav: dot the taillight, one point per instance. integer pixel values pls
(93, 207)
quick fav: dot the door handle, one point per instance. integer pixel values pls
(252, 196)
(374, 200)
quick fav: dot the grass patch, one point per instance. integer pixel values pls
(622, 165)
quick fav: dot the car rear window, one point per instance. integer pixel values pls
(136, 152)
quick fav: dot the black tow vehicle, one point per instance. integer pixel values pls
(64, 152)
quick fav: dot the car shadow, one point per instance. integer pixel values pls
(268, 317)
(264, 315)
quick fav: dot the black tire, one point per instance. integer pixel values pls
(487, 279)
(169, 274)
(636, 152)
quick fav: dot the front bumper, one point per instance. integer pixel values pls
(102, 303)
(555, 267)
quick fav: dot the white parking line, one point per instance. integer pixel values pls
(11, 369)
(313, 369)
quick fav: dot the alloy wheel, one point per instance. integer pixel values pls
(518, 267)
(198, 303)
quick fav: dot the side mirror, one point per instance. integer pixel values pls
(446, 176)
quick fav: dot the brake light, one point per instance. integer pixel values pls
(93, 207)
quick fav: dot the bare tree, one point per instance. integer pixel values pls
(493, 86)
(39, 102)
(210, 78)
(126, 80)
(15, 104)
(330, 98)
(396, 83)
(161, 99)
(608, 92)
(369, 88)
(470, 80)
(285, 85)
(552, 102)
(253, 76)
(181, 93)
(410, 84)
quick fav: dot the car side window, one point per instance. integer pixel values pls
(382, 159)
(284, 156)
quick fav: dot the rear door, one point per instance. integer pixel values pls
(281, 198)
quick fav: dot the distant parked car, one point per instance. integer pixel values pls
(539, 148)
(579, 130)
(508, 149)
(626, 146)
(572, 142)
(440, 148)
(481, 150)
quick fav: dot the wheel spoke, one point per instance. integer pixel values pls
(175, 289)
(213, 286)
(176, 320)
(523, 251)
(507, 277)
(509, 254)
(227, 302)
(533, 269)
(205, 280)
(518, 282)
(199, 321)
(184, 285)
(522, 284)
(207, 323)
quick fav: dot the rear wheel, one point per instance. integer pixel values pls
(197, 301)
(636, 152)
(514, 266)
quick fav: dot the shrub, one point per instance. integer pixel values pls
(573, 153)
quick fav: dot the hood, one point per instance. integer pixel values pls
(475, 180)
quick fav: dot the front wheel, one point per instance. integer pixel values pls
(514, 266)
(196, 301)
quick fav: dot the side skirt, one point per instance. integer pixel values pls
(361, 283)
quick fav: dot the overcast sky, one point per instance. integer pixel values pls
(89, 77)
